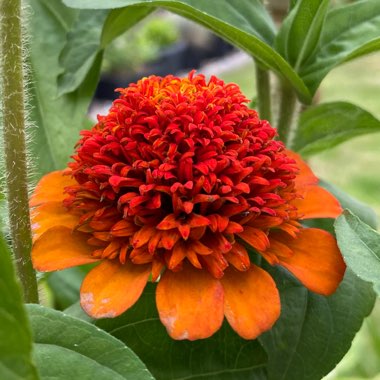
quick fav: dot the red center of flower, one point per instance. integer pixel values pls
(178, 170)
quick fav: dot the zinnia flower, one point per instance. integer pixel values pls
(182, 184)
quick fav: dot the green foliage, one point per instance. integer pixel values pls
(300, 31)
(363, 358)
(244, 23)
(329, 124)
(86, 41)
(15, 335)
(314, 332)
(309, 40)
(68, 348)
(224, 356)
(349, 32)
(57, 120)
(118, 22)
(360, 246)
(65, 286)
(81, 49)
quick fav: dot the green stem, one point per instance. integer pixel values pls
(263, 93)
(288, 101)
(16, 177)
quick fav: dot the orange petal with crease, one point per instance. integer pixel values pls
(316, 262)
(60, 248)
(51, 214)
(190, 303)
(317, 203)
(111, 288)
(50, 188)
(251, 301)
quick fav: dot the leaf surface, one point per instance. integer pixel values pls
(88, 37)
(224, 356)
(360, 246)
(65, 285)
(15, 335)
(328, 124)
(81, 49)
(68, 348)
(314, 332)
(349, 31)
(57, 120)
(300, 32)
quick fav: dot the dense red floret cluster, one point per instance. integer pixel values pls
(175, 170)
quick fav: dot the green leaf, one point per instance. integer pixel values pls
(57, 120)
(80, 52)
(65, 285)
(90, 34)
(68, 348)
(300, 32)
(360, 246)
(75, 310)
(120, 20)
(349, 32)
(15, 335)
(363, 358)
(224, 356)
(363, 211)
(314, 332)
(326, 125)
(244, 23)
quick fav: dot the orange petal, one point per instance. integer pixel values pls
(60, 248)
(168, 223)
(238, 257)
(51, 214)
(277, 248)
(305, 175)
(317, 261)
(251, 301)
(177, 255)
(142, 236)
(317, 203)
(157, 267)
(50, 188)
(193, 258)
(111, 288)
(190, 303)
(255, 238)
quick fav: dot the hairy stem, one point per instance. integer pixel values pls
(288, 101)
(263, 93)
(15, 158)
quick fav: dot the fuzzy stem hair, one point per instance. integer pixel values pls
(14, 143)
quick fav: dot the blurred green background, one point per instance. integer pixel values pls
(354, 166)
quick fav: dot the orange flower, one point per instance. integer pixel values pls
(182, 183)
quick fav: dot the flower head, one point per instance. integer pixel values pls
(182, 183)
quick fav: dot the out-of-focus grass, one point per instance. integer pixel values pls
(355, 167)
